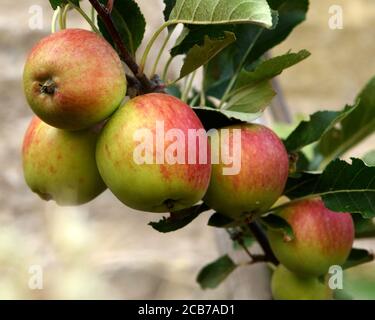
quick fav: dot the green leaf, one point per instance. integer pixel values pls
(311, 131)
(252, 92)
(216, 272)
(195, 35)
(218, 73)
(218, 118)
(357, 257)
(364, 228)
(62, 3)
(270, 68)
(353, 129)
(343, 187)
(251, 99)
(129, 21)
(221, 12)
(369, 158)
(169, 4)
(200, 55)
(178, 219)
(248, 241)
(291, 14)
(278, 224)
(221, 69)
(219, 221)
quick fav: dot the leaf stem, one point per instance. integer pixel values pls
(239, 69)
(194, 100)
(61, 17)
(189, 84)
(203, 89)
(154, 68)
(166, 68)
(85, 16)
(55, 16)
(150, 44)
(286, 204)
(65, 14)
(261, 237)
(93, 15)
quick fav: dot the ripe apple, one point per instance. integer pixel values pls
(261, 178)
(60, 165)
(286, 285)
(322, 238)
(73, 79)
(165, 179)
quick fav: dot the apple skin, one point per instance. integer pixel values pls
(286, 285)
(73, 79)
(60, 165)
(322, 238)
(261, 180)
(151, 187)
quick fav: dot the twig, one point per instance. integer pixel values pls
(134, 86)
(110, 5)
(259, 235)
(105, 15)
(254, 258)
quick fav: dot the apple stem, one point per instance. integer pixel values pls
(105, 14)
(260, 236)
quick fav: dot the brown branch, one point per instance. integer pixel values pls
(260, 236)
(238, 237)
(125, 55)
(110, 5)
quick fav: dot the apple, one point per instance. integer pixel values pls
(73, 79)
(60, 165)
(286, 285)
(165, 175)
(322, 238)
(262, 175)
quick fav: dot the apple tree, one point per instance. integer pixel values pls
(295, 197)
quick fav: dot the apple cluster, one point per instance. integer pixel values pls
(81, 141)
(82, 138)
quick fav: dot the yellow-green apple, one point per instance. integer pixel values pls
(262, 173)
(149, 158)
(286, 285)
(73, 79)
(322, 238)
(60, 165)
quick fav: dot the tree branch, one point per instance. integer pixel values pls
(110, 5)
(259, 235)
(105, 15)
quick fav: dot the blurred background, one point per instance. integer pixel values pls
(107, 251)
